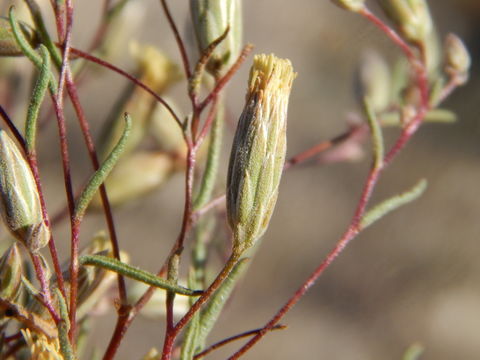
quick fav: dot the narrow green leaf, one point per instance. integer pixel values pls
(190, 340)
(63, 328)
(43, 32)
(441, 116)
(377, 135)
(215, 305)
(393, 203)
(101, 174)
(27, 48)
(213, 159)
(413, 352)
(136, 274)
(36, 100)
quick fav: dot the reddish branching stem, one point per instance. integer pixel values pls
(178, 39)
(323, 146)
(132, 78)
(232, 339)
(220, 84)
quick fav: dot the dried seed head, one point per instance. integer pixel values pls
(19, 200)
(8, 44)
(457, 59)
(412, 18)
(10, 273)
(352, 5)
(210, 20)
(258, 150)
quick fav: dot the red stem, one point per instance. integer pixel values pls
(46, 297)
(417, 65)
(220, 84)
(233, 338)
(133, 79)
(323, 146)
(178, 39)
(172, 335)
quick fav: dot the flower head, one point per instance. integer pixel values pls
(258, 150)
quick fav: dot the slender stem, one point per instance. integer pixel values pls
(45, 287)
(72, 91)
(416, 63)
(219, 200)
(59, 10)
(323, 146)
(172, 335)
(220, 84)
(208, 122)
(452, 84)
(233, 338)
(102, 27)
(178, 39)
(133, 79)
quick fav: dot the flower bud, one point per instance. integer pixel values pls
(412, 18)
(19, 200)
(210, 20)
(8, 44)
(351, 5)
(457, 59)
(136, 175)
(10, 274)
(373, 80)
(258, 150)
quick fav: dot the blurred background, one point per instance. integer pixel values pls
(411, 278)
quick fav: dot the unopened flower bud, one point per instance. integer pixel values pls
(8, 44)
(412, 18)
(373, 80)
(136, 175)
(211, 18)
(351, 5)
(10, 273)
(258, 151)
(19, 200)
(457, 58)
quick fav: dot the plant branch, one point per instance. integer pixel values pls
(178, 39)
(232, 339)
